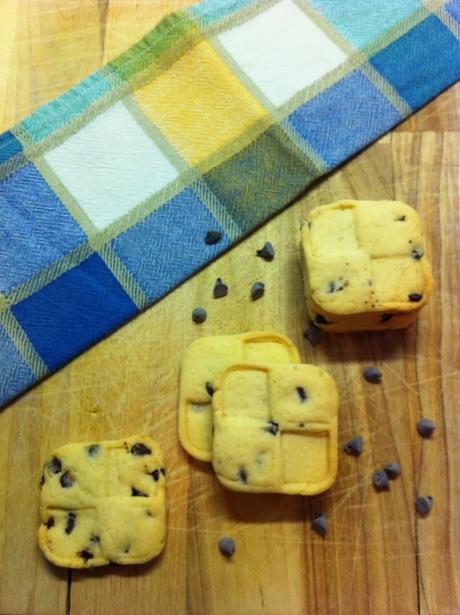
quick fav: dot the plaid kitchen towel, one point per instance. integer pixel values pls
(214, 121)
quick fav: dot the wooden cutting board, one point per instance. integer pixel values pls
(378, 557)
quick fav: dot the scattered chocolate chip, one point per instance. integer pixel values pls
(380, 480)
(320, 320)
(272, 428)
(212, 237)
(220, 289)
(425, 428)
(354, 446)
(373, 375)
(95, 539)
(415, 297)
(386, 317)
(156, 475)
(417, 253)
(423, 504)
(70, 523)
(401, 219)
(319, 524)
(54, 466)
(267, 252)
(66, 480)
(199, 315)
(50, 523)
(227, 546)
(42, 480)
(163, 471)
(301, 393)
(86, 555)
(313, 334)
(136, 493)
(243, 475)
(209, 389)
(257, 290)
(392, 470)
(140, 449)
(93, 450)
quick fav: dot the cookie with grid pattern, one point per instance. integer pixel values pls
(103, 502)
(275, 428)
(364, 265)
(202, 363)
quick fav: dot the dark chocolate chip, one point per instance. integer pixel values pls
(93, 450)
(95, 539)
(209, 389)
(401, 219)
(136, 493)
(156, 475)
(425, 428)
(302, 394)
(313, 335)
(369, 282)
(212, 237)
(163, 471)
(417, 253)
(243, 475)
(423, 505)
(373, 375)
(380, 480)
(392, 470)
(50, 523)
(54, 466)
(227, 546)
(320, 320)
(86, 555)
(301, 425)
(386, 317)
(127, 549)
(199, 315)
(66, 480)
(42, 480)
(415, 297)
(267, 252)
(140, 449)
(257, 290)
(220, 289)
(70, 523)
(354, 446)
(319, 524)
(272, 428)
(330, 287)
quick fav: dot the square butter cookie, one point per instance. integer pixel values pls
(364, 265)
(275, 428)
(103, 502)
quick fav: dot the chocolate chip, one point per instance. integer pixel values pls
(66, 480)
(93, 450)
(373, 375)
(227, 546)
(95, 539)
(302, 394)
(209, 389)
(401, 219)
(163, 471)
(386, 317)
(417, 253)
(423, 505)
(70, 523)
(267, 252)
(320, 320)
(243, 475)
(54, 466)
(425, 428)
(136, 493)
(199, 315)
(313, 335)
(380, 480)
(301, 425)
(156, 475)
(42, 480)
(257, 290)
(272, 428)
(127, 549)
(212, 237)
(330, 287)
(392, 470)
(86, 555)
(415, 297)
(319, 524)
(140, 449)
(354, 446)
(369, 282)
(50, 523)
(220, 289)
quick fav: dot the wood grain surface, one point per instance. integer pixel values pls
(378, 557)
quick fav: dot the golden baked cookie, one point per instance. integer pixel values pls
(103, 502)
(364, 265)
(203, 361)
(275, 428)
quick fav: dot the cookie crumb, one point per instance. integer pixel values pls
(267, 252)
(227, 546)
(373, 375)
(199, 315)
(319, 524)
(354, 446)
(425, 428)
